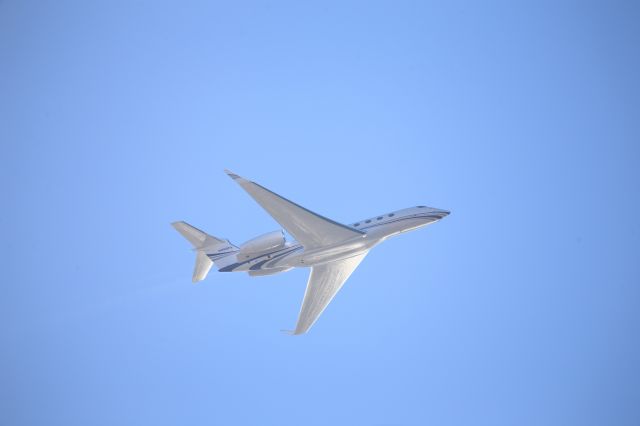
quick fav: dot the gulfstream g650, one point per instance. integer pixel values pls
(332, 250)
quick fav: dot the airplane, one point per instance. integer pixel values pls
(332, 250)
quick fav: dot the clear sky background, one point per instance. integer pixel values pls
(520, 308)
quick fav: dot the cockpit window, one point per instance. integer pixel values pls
(356, 224)
(391, 214)
(379, 218)
(367, 221)
(421, 207)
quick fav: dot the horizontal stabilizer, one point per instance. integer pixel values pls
(203, 265)
(209, 249)
(198, 239)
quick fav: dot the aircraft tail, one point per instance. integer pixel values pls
(209, 249)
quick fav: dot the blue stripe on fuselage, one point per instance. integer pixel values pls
(230, 268)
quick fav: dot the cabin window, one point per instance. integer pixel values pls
(391, 214)
(367, 221)
(356, 224)
(379, 218)
(421, 207)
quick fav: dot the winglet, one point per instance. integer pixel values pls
(231, 174)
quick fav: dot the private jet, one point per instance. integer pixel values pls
(332, 250)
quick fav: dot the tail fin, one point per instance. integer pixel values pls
(209, 249)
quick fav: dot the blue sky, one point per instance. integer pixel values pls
(522, 307)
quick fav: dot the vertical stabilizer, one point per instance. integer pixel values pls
(209, 249)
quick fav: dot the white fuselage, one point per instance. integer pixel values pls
(376, 230)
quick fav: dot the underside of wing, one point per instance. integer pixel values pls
(310, 229)
(324, 283)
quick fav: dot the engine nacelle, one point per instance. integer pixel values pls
(271, 241)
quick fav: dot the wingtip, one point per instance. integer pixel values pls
(292, 332)
(231, 174)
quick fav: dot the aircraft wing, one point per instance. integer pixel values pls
(310, 229)
(324, 283)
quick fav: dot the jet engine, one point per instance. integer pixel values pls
(266, 242)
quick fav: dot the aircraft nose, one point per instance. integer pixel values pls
(441, 213)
